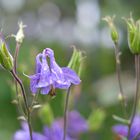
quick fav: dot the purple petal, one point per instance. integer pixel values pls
(45, 90)
(135, 129)
(121, 130)
(21, 135)
(33, 82)
(76, 124)
(44, 74)
(71, 76)
(38, 63)
(55, 132)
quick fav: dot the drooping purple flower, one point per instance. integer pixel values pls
(76, 124)
(23, 134)
(122, 130)
(55, 133)
(49, 75)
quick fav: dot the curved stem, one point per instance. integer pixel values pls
(118, 71)
(65, 113)
(25, 101)
(137, 69)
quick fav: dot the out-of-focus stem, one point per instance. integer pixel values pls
(137, 69)
(65, 113)
(118, 71)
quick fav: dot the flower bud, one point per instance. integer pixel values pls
(113, 30)
(20, 34)
(133, 29)
(6, 60)
(75, 62)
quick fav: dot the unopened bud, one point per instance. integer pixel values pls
(75, 62)
(6, 59)
(113, 30)
(133, 29)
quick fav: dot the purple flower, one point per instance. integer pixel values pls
(49, 75)
(55, 133)
(23, 134)
(76, 124)
(122, 130)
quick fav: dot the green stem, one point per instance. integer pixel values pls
(65, 113)
(25, 101)
(15, 69)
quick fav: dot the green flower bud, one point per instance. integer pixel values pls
(133, 29)
(113, 30)
(76, 62)
(6, 60)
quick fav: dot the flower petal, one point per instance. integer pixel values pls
(135, 129)
(33, 82)
(45, 74)
(121, 130)
(76, 124)
(45, 90)
(38, 63)
(71, 76)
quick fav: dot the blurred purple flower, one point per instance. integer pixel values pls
(76, 124)
(122, 130)
(55, 133)
(49, 75)
(23, 134)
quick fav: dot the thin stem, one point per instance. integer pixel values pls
(118, 71)
(16, 56)
(137, 69)
(15, 69)
(25, 101)
(65, 113)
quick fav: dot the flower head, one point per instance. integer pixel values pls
(49, 75)
(122, 130)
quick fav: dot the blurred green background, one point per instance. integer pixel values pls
(58, 24)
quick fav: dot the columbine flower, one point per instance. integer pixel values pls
(49, 75)
(122, 130)
(23, 134)
(76, 124)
